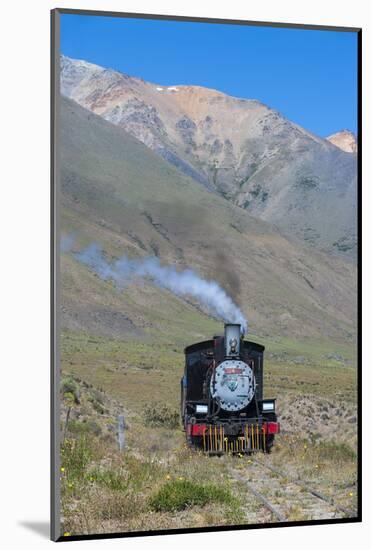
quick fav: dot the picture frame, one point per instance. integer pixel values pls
(57, 433)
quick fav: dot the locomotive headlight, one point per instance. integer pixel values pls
(201, 409)
(268, 406)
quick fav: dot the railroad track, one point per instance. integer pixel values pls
(287, 498)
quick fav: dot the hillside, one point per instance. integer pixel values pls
(238, 148)
(117, 192)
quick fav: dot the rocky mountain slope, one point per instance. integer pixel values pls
(119, 193)
(345, 140)
(237, 148)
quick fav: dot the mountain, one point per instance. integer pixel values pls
(119, 193)
(345, 140)
(238, 148)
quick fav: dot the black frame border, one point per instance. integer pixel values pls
(54, 254)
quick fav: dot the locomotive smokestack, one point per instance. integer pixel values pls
(232, 339)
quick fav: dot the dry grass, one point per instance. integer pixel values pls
(102, 487)
(107, 491)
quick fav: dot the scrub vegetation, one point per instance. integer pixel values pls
(156, 482)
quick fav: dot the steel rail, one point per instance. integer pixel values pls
(281, 518)
(347, 511)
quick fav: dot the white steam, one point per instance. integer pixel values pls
(181, 283)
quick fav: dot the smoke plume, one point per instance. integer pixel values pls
(182, 283)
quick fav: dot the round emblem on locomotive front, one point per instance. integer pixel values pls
(233, 384)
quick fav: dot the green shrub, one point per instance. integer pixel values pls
(70, 389)
(161, 415)
(77, 427)
(86, 427)
(334, 451)
(97, 396)
(97, 406)
(93, 427)
(111, 479)
(180, 494)
(255, 191)
(308, 182)
(76, 455)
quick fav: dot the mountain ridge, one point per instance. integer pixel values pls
(238, 148)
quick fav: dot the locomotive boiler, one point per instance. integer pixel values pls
(222, 404)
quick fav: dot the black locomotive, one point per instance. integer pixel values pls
(222, 403)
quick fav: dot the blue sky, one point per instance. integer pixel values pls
(310, 76)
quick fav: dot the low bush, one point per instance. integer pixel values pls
(76, 427)
(180, 494)
(70, 389)
(335, 451)
(76, 455)
(160, 415)
(110, 479)
(93, 427)
(97, 406)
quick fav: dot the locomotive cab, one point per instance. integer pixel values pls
(222, 404)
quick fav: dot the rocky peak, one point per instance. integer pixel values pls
(345, 140)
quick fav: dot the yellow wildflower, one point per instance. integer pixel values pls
(62, 469)
(168, 477)
(350, 494)
(67, 534)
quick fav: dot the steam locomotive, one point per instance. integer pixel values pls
(222, 405)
